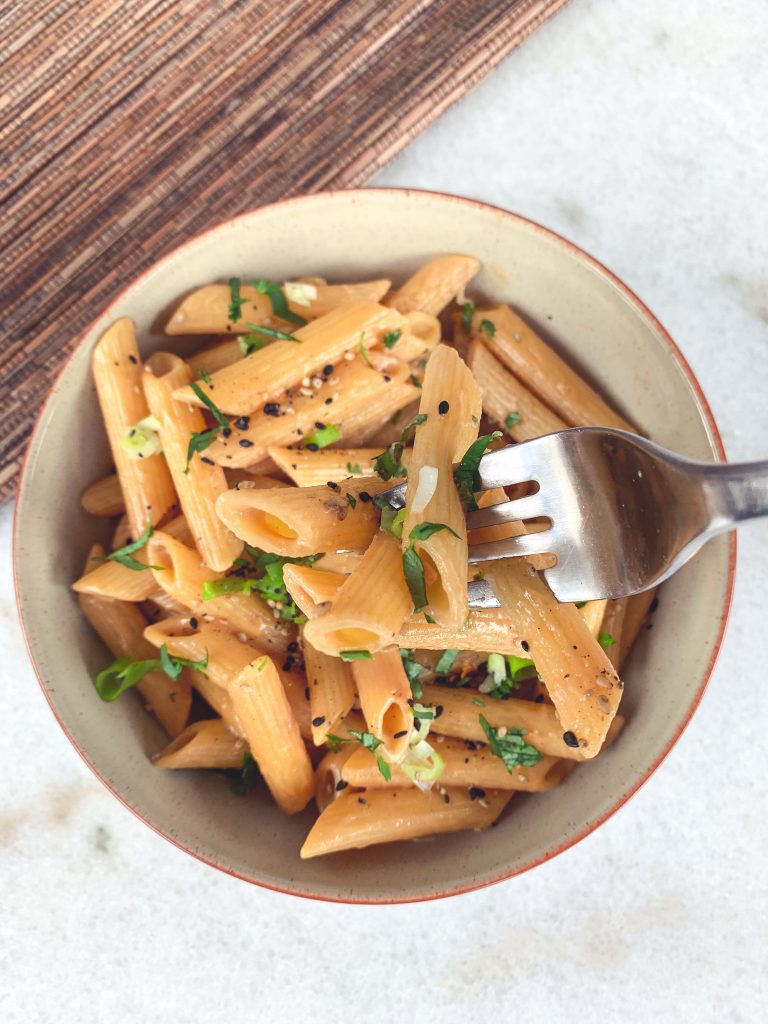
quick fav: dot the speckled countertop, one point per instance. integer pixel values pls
(639, 131)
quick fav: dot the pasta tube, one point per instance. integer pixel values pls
(205, 744)
(384, 694)
(435, 284)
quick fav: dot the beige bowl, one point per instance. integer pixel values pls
(604, 330)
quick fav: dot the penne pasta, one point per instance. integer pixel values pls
(357, 820)
(328, 776)
(450, 404)
(516, 409)
(146, 485)
(526, 355)
(472, 765)
(272, 733)
(580, 680)
(435, 284)
(314, 469)
(103, 497)
(353, 622)
(332, 692)
(197, 482)
(265, 375)
(592, 613)
(208, 743)
(182, 574)
(223, 353)
(384, 694)
(636, 613)
(304, 521)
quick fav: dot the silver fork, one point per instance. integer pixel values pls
(625, 513)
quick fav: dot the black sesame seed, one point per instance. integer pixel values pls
(438, 710)
(364, 496)
(329, 401)
(242, 422)
(361, 800)
(569, 739)
(292, 647)
(443, 408)
(271, 409)
(306, 693)
(417, 725)
(446, 798)
(319, 425)
(327, 370)
(245, 443)
(193, 622)
(470, 744)
(654, 606)
(318, 721)
(475, 793)
(409, 702)
(399, 735)
(133, 359)
(207, 461)
(525, 645)
(288, 664)
(341, 784)
(333, 486)
(227, 432)
(387, 378)
(312, 447)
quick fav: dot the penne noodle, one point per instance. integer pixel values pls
(354, 622)
(435, 285)
(352, 396)
(580, 680)
(463, 766)
(384, 694)
(460, 717)
(503, 394)
(332, 692)
(120, 627)
(265, 375)
(318, 298)
(450, 401)
(215, 357)
(300, 521)
(613, 626)
(314, 469)
(205, 744)
(328, 775)
(182, 575)
(197, 482)
(637, 610)
(146, 484)
(244, 479)
(103, 497)
(592, 613)
(526, 355)
(272, 733)
(357, 820)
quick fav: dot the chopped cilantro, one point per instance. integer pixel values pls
(467, 312)
(389, 463)
(354, 468)
(278, 300)
(123, 554)
(413, 567)
(250, 343)
(363, 354)
(413, 670)
(271, 333)
(466, 471)
(266, 580)
(391, 338)
(124, 673)
(200, 440)
(323, 436)
(489, 327)
(511, 420)
(235, 301)
(243, 781)
(351, 500)
(605, 639)
(511, 747)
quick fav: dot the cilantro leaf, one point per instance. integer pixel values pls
(605, 639)
(466, 471)
(125, 673)
(413, 670)
(218, 415)
(235, 301)
(511, 748)
(489, 327)
(354, 468)
(391, 338)
(363, 353)
(269, 584)
(198, 442)
(272, 333)
(250, 343)
(388, 464)
(123, 554)
(511, 420)
(173, 666)
(392, 520)
(413, 568)
(383, 767)
(368, 740)
(205, 377)
(245, 780)
(323, 436)
(279, 302)
(467, 312)
(423, 531)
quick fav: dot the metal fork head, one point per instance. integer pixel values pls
(625, 513)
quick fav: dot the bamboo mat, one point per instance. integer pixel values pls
(126, 128)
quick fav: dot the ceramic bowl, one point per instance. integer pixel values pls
(588, 314)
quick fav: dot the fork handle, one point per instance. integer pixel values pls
(735, 493)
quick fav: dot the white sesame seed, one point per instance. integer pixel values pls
(306, 392)
(317, 382)
(483, 803)
(305, 382)
(275, 613)
(502, 732)
(270, 602)
(289, 410)
(349, 356)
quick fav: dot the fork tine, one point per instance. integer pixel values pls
(521, 508)
(528, 544)
(512, 465)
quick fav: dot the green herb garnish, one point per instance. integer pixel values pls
(413, 567)
(124, 673)
(413, 670)
(465, 476)
(511, 420)
(605, 639)
(205, 377)
(278, 300)
(489, 327)
(244, 781)
(445, 662)
(266, 580)
(272, 333)
(323, 436)
(354, 468)
(392, 520)
(355, 656)
(250, 343)
(235, 301)
(389, 463)
(467, 312)
(123, 555)
(201, 440)
(351, 499)
(391, 338)
(368, 740)
(511, 748)
(363, 353)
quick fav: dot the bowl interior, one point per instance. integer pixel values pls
(585, 313)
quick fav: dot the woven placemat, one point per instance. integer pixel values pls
(125, 128)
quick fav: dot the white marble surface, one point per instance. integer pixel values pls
(641, 134)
